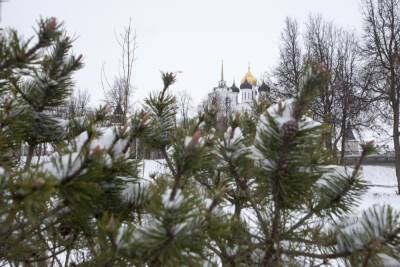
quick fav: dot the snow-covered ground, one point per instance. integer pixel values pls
(153, 167)
(383, 186)
(381, 180)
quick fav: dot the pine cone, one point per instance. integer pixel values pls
(52, 24)
(290, 128)
(196, 137)
(18, 196)
(38, 184)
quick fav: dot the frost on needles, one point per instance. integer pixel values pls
(261, 193)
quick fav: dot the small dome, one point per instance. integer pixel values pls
(249, 78)
(246, 85)
(234, 88)
(264, 88)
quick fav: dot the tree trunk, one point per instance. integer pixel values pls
(328, 122)
(396, 142)
(136, 148)
(343, 150)
(31, 150)
(343, 144)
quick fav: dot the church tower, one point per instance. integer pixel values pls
(222, 86)
(222, 82)
(247, 87)
(226, 97)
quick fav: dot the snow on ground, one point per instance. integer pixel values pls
(383, 186)
(381, 180)
(153, 167)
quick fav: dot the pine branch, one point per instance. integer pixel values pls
(315, 255)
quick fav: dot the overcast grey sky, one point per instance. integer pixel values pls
(178, 35)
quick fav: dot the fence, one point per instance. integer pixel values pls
(376, 159)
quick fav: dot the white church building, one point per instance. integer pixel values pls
(232, 99)
(238, 99)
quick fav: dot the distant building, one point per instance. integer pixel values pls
(118, 115)
(231, 99)
(237, 99)
(352, 145)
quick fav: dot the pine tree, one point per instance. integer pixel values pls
(37, 78)
(290, 206)
(67, 203)
(260, 194)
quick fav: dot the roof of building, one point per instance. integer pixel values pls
(264, 88)
(349, 134)
(246, 85)
(249, 78)
(234, 88)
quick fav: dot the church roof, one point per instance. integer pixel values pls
(246, 85)
(249, 78)
(264, 88)
(234, 88)
(349, 134)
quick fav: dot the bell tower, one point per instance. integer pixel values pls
(222, 82)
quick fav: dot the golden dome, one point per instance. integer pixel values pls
(249, 78)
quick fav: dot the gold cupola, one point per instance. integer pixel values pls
(249, 78)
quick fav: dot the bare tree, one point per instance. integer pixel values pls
(119, 92)
(341, 104)
(352, 103)
(320, 45)
(290, 66)
(128, 44)
(114, 94)
(381, 51)
(185, 105)
(78, 104)
(321, 40)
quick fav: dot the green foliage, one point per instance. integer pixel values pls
(35, 79)
(162, 110)
(372, 235)
(261, 193)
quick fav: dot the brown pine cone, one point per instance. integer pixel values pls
(290, 128)
(38, 184)
(52, 24)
